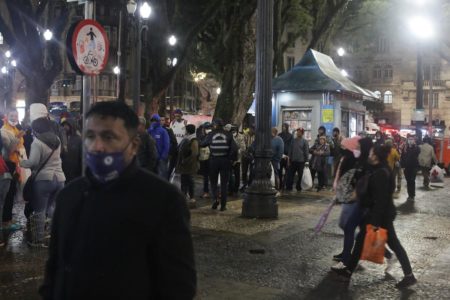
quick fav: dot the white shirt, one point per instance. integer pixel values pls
(179, 129)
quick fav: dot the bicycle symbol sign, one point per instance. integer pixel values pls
(90, 47)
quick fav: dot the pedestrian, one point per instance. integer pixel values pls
(235, 179)
(336, 152)
(204, 155)
(119, 232)
(287, 139)
(379, 138)
(147, 155)
(20, 175)
(178, 125)
(277, 146)
(427, 158)
(410, 162)
(248, 157)
(161, 137)
(223, 151)
(173, 145)
(381, 213)
(355, 152)
(321, 132)
(320, 154)
(298, 154)
(44, 156)
(398, 171)
(5, 177)
(188, 164)
(71, 159)
(393, 158)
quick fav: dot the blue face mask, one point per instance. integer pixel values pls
(106, 166)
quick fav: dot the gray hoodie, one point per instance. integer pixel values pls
(299, 150)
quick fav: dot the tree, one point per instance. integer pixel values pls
(22, 23)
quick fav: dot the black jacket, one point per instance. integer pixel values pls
(147, 155)
(410, 157)
(128, 239)
(71, 159)
(382, 210)
(287, 139)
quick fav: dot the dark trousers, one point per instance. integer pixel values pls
(204, 171)
(9, 201)
(295, 167)
(349, 230)
(234, 184)
(187, 185)
(172, 163)
(392, 242)
(426, 176)
(410, 176)
(283, 167)
(322, 177)
(219, 166)
(247, 167)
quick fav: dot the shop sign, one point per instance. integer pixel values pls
(327, 114)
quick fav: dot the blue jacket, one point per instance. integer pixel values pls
(277, 144)
(161, 138)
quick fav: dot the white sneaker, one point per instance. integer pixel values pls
(390, 263)
(339, 266)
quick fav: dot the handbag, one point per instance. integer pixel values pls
(306, 179)
(374, 244)
(28, 187)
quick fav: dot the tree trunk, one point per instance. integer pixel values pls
(36, 91)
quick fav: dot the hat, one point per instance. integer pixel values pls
(38, 110)
(351, 143)
(155, 118)
(228, 127)
(218, 122)
(207, 125)
(177, 112)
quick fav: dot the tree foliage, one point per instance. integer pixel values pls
(22, 23)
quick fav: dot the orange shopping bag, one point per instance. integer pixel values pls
(374, 243)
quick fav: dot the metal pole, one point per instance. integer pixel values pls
(137, 70)
(171, 97)
(419, 90)
(119, 54)
(88, 14)
(430, 104)
(259, 198)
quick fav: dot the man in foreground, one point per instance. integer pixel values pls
(120, 232)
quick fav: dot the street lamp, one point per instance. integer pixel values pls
(48, 35)
(4, 70)
(259, 197)
(344, 73)
(422, 28)
(172, 40)
(145, 11)
(116, 70)
(172, 62)
(14, 63)
(8, 54)
(341, 51)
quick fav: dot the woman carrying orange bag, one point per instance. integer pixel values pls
(381, 213)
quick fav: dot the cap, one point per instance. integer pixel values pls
(178, 112)
(38, 110)
(228, 127)
(218, 122)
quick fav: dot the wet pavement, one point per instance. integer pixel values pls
(240, 258)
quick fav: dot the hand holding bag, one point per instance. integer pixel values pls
(374, 244)
(306, 179)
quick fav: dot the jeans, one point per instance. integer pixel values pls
(392, 242)
(283, 166)
(426, 176)
(44, 192)
(4, 188)
(410, 176)
(9, 201)
(219, 166)
(295, 167)
(187, 185)
(162, 168)
(350, 226)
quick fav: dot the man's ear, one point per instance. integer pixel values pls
(135, 143)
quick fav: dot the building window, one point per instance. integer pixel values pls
(291, 40)
(299, 119)
(388, 72)
(430, 69)
(435, 100)
(358, 73)
(290, 62)
(388, 97)
(383, 45)
(377, 72)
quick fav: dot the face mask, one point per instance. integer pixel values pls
(106, 166)
(13, 123)
(208, 131)
(356, 153)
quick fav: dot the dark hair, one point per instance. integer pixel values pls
(116, 110)
(190, 128)
(365, 144)
(42, 125)
(382, 152)
(335, 129)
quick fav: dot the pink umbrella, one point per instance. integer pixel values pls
(324, 217)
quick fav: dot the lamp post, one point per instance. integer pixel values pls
(8, 72)
(259, 198)
(145, 11)
(422, 28)
(172, 62)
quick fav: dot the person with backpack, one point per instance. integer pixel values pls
(381, 212)
(187, 164)
(223, 151)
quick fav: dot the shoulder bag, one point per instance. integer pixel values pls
(28, 187)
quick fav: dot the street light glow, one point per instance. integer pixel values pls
(172, 40)
(116, 70)
(8, 54)
(421, 27)
(341, 51)
(419, 2)
(48, 35)
(4, 70)
(344, 73)
(131, 7)
(219, 90)
(14, 63)
(145, 11)
(174, 61)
